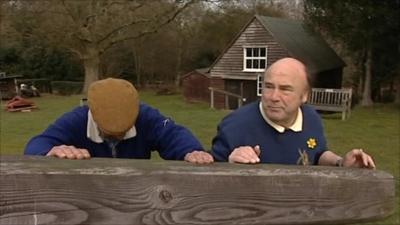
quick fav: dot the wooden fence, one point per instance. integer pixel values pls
(227, 94)
(44, 190)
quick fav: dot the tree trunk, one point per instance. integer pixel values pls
(397, 96)
(137, 66)
(179, 62)
(366, 98)
(91, 62)
(360, 84)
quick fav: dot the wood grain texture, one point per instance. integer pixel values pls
(42, 190)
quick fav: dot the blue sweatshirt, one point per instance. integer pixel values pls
(247, 127)
(154, 132)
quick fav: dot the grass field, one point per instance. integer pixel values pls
(375, 129)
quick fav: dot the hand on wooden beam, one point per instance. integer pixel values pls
(200, 157)
(69, 152)
(358, 158)
(245, 154)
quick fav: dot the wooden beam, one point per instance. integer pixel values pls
(226, 94)
(44, 190)
(212, 98)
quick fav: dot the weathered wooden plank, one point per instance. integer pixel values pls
(42, 190)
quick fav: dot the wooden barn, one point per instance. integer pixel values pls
(195, 85)
(8, 86)
(261, 42)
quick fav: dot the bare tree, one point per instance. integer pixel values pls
(89, 28)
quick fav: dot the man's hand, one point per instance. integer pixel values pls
(200, 157)
(245, 154)
(69, 152)
(358, 158)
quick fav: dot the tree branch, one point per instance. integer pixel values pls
(69, 13)
(84, 33)
(128, 38)
(116, 30)
(153, 30)
(73, 50)
(87, 19)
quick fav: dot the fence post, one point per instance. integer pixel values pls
(212, 97)
(226, 101)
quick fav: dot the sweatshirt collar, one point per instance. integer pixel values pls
(297, 126)
(92, 131)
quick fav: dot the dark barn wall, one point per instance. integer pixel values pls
(250, 91)
(195, 87)
(246, 88)
(7, 88)
(328, 79)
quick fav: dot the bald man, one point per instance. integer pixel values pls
(115, 124)
(280, 128)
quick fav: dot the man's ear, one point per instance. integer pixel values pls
(304, 97)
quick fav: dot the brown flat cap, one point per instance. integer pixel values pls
(114, 104)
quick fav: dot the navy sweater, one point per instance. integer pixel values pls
(154, 132)
(247, 127)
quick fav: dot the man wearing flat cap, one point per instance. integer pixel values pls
(115, 124)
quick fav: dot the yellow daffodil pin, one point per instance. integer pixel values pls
(311, 143)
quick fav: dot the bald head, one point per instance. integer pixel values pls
(290, 66)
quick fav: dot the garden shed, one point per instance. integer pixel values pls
(8, 86)
(195, 85)
(261, 42)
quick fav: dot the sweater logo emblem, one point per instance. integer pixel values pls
(303, 159)
(311, 143)
(165, 122)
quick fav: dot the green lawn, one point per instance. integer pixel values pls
(375, 129)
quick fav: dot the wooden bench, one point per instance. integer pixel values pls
(335, 100)
(47, 190)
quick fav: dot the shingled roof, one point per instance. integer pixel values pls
(302, 43)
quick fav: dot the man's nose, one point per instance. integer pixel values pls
(275, 94)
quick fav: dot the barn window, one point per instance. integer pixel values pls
(254, 59)
(259, 84)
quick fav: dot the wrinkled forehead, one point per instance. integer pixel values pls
(287, 69)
